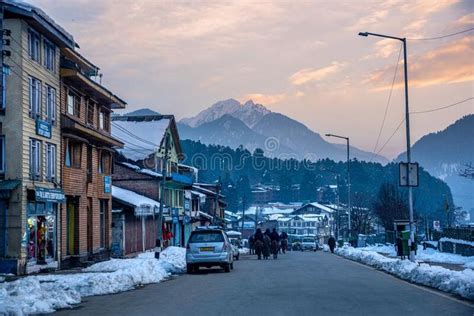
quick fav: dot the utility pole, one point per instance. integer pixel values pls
(243, 214)
(407, 128)
(164, 165)
(349, 205)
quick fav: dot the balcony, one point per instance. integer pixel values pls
(79, 130)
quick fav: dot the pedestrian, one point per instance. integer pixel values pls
(266, 246)
(258, 237)
(399, 245)
(284, 241)
(332, 243)
(275, 238)
(268, 233)
(252, 244)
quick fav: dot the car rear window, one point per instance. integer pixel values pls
(206, 237)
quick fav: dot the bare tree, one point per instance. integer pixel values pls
(390, 205)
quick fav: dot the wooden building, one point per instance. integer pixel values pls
(87, 158)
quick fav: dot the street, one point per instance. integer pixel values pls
(296, 284)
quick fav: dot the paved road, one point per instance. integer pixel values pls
(295, 284)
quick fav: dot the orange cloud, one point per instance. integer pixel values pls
(447, 64)
(315, 74)
(266, 99)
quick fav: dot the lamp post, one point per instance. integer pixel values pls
(349, 205)
(407, 122)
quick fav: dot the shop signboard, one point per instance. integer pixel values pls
(408, 173)
(107, 184)
(175, 215)
(49, 195)
(43, 128)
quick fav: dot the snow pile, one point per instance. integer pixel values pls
(325, 248)
(458, 282)
(47, 293)
(244, 251)
(428, 255)
(457, 241)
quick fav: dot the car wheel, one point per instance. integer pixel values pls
(227, 267)
(190, 269)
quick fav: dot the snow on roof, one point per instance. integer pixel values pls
(201, 213)
(130, 165)
(151, 173)
(142, 204)
(140, 138)
(274, 217)
(321, 207)
(233, 232)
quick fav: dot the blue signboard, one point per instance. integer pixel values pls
(49, 195)
(43, 128)
(175, 215)
(107, 184)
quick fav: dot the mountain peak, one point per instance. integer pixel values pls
(142, 112)
(249, 113)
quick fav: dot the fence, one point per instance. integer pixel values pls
(463, 233)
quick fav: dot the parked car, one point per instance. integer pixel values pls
(208, 248)
(309, 243)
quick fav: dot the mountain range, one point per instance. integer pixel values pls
(444, 154)
(230, 123)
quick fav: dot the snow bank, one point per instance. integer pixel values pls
(457, 241)
(457, 282)
(325, 248)
(244, 251)
(47, 293)
(428, 255)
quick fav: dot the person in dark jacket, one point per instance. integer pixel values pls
(284, 242)
(252, 245)
(268, 233)
(275, 238)
(258, 240)
(266, 246)
(332, 243)
(399, 245)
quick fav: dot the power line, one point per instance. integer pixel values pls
(391, 136)
(442, 107)
(388, 104)
(126, 131)
(439, 37)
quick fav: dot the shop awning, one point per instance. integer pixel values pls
(6, 186)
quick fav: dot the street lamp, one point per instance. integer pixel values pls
(407, 121)
(349, 206)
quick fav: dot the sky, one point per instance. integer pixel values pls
(300, 58)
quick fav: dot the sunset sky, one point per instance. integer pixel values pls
(301, 58)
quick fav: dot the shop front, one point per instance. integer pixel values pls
(41, 236)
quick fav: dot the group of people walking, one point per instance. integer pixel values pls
(268, 243)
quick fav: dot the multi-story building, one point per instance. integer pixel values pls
(30, 141)
(86, 158)
(150, 140)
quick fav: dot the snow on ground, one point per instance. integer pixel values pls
(47, 293)
(428, 255)
(458, 282)
(325, 248)
(244, 251)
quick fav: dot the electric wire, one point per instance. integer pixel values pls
(388, 104)
(440, 37)
(442, 107)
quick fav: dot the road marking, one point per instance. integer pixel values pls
(418, 286)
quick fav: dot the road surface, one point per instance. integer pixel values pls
(296, 284)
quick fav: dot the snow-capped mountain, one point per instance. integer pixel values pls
(444, 155)
(249, 113)
(273, 132)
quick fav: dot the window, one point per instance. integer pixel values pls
(51, 104)
(73, 104)
(6, 71)
(50, 162)
(35, 97)
(35, 159)
(103, 223)
(104, 162)
(90, 112)
(49, 55)
(34, 45)
(72, 156)
(104, 120)
(2, 154)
